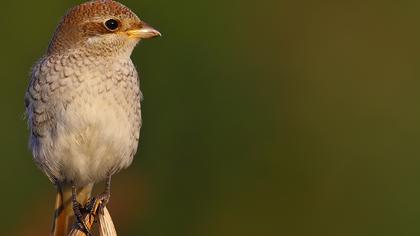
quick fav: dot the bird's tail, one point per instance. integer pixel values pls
(63, 212)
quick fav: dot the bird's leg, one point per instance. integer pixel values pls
(103, 198)
(77, 209)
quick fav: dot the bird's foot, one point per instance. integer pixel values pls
(77, 209)
(102, 199)
(98, 203)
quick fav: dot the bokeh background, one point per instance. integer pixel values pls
(261, 118)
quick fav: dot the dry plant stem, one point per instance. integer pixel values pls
(106, 226)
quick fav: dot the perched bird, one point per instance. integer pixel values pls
(83, 103)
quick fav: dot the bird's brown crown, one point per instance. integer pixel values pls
(98, 8)
(89, 19)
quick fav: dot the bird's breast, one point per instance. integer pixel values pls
(98, 121)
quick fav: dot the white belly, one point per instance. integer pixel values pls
(93, 138)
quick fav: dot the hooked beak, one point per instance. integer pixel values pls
(145, 32)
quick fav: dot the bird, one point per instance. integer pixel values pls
(83, 104)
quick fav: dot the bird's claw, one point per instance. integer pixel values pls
(77, 209)
(83, 227)
(101, 200)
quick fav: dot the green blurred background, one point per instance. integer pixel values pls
(261, 118)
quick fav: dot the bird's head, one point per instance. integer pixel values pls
(102, 27)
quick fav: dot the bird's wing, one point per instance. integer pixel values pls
(41, 114)
(38, 101)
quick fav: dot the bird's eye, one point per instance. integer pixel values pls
(112, 24)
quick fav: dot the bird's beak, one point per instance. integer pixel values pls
(145, 32)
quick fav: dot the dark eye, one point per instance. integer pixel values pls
(112, 24)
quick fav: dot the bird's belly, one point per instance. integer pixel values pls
(93, 139)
